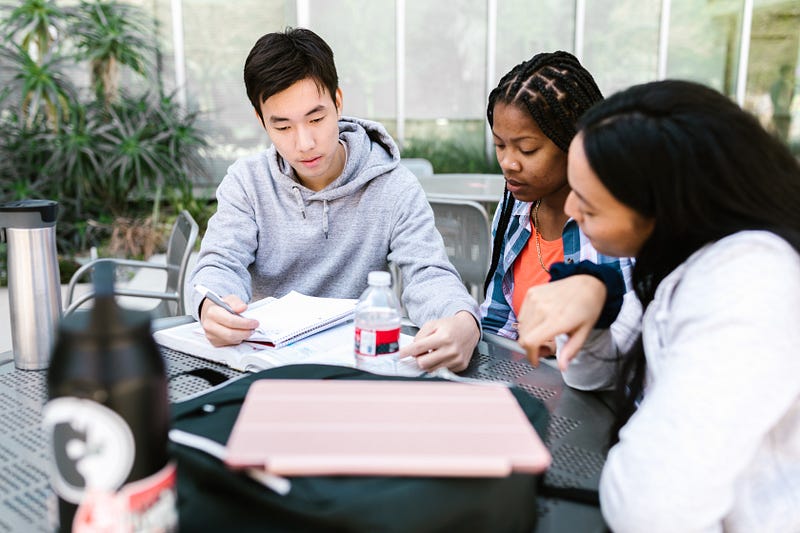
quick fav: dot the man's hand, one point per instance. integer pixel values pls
(447, 342)
(571, 305)
(223, 328)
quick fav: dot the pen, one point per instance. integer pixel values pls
(214, 297)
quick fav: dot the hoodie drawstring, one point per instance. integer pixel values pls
(325, 218)
(299, 198)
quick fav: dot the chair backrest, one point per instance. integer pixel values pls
(179, 249)
(465, 229)
(419, 166)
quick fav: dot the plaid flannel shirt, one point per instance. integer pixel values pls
(497, 314)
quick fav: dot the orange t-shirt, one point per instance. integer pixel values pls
(527, 270)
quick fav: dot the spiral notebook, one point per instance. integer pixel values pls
(295, 316)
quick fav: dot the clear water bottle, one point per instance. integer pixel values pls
(107, 420)
(378, 318)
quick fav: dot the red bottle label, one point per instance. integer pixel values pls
(93, 453)
(148, 504)
(377, 342)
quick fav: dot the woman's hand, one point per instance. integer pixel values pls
(447, 342)
(570, 306)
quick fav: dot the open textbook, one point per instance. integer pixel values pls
(334, 346)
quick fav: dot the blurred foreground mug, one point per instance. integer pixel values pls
(34, 285)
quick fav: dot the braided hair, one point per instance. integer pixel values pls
(555, 89)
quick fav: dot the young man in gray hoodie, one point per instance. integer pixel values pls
(326, 204)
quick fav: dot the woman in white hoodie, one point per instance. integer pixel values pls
(706, 354)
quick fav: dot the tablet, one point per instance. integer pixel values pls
(394, 428)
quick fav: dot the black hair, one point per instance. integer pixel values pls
(279, 60)
(555, 89)
(701, 168)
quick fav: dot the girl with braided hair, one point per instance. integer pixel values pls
(533, 113)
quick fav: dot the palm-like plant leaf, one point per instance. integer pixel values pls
(22, 158)
(185, 139)
(94, 156)
(39, 86)
(74, 158)
(37, 21)
(136, 157)
(110, 34)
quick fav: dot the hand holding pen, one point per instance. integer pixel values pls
(221, 319)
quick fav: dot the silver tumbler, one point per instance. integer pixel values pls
(34, 285)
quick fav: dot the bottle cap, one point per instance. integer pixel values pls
(379, 277)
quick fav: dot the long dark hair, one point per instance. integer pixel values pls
(555, 89)
(698, 165)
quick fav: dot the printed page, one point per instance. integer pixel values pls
(190, 339)
(334, 346)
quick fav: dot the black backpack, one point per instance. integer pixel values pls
(212, 497)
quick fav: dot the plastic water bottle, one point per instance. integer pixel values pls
(377, 318)
(107, 419)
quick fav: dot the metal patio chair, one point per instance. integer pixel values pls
(418, 166)
(172, 300)
(465, 228)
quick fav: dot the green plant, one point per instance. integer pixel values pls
(75, 157)
(201, 209)
(110, 34)
(101, 152)
(22, 155)
(458, 147)
(39, 85)
(34, 20)
(3, 266)
(140, 149)
(450, 155)
(38, 73)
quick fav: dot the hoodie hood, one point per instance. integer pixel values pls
(271, 235)
(371, 152)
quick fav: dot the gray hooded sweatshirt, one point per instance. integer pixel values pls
(271, 235)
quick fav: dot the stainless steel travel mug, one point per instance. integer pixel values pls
(34, 285)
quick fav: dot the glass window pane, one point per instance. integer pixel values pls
(214, 63)
(364, 50)
(621, 42)
(446, 83)
(445, 59)
(704, 42)
(524, 30)
(773, 72)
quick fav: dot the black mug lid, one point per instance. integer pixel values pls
(28, 214)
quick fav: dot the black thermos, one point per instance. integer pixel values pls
(108, 416)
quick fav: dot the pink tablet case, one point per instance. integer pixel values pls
(398, 428)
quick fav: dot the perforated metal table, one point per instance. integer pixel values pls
(576, 436)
